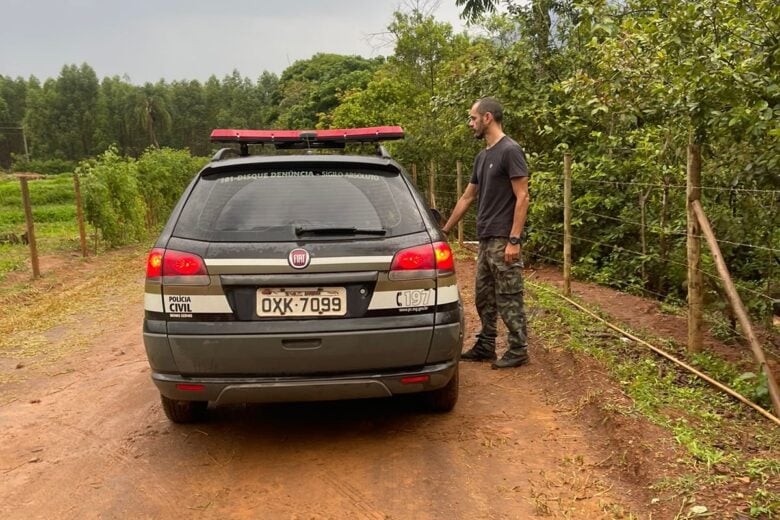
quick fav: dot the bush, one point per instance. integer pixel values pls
(162, 177)
(112, 201)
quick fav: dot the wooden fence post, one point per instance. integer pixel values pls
(80, 215)
(459, 169)
(695, 284)
(30, 227)
(567, 224)
(432, 184)
(414, 175)
(736, 303)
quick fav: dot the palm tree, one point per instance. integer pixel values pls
(153, 111)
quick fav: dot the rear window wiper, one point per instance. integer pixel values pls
(335, 230)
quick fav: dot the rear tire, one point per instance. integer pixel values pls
(444, 399)
(183, 412)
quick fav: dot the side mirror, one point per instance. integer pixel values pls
(436, 214)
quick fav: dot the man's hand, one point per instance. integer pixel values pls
(511, 253)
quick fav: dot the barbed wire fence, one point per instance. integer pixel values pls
(630, 239)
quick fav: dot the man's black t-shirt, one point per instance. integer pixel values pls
(493, 169)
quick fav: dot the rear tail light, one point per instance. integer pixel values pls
(176, 268)
(445, 263)
(154, 264)
(427, 261)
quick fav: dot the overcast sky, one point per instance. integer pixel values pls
(190, 39)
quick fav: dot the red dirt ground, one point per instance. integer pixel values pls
(86, 437)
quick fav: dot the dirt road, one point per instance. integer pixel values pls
(82, 435)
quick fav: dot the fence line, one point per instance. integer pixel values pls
(640, 254)
(659, 230)
(679, 186)
(440, 175)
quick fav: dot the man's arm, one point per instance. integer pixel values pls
(520, 188)
(463, 204)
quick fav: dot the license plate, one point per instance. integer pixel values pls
(295, 302)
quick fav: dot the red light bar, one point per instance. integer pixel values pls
(351, 135)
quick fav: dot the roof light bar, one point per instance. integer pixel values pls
(282, 137)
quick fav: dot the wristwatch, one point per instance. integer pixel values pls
(514, 240)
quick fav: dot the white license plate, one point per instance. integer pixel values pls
(301, 301)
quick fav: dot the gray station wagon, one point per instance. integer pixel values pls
(301, 277)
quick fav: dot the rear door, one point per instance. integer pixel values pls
(299, 264)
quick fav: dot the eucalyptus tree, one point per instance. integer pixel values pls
(62, 114)
(117, 122)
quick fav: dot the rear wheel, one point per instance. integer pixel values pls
(184, 411)
(444, 399)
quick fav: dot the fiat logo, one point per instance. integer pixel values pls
(299, 258)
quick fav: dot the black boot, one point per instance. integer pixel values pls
(479, 353)
(512, 358)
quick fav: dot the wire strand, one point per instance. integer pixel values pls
(660, 230)
(637, 253)
(682, 186)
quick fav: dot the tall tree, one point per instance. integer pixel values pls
(76, 106)
(310, 88)
(117, 123)
(153, 111)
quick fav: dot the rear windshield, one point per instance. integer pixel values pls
(288, 204)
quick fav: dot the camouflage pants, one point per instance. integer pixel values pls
(499, 290)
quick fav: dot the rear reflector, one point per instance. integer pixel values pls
(415, 379)
(191, 388)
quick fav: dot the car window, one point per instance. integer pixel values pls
(282, 204)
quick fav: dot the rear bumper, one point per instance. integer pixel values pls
(232, 390)
(302, 354)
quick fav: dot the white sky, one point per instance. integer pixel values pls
(190, 39)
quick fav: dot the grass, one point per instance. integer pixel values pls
(54, 216)
(55, 317)
(723, 442)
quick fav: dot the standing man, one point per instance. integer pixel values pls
(500, 182)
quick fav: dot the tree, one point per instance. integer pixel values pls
(310, 89)
(117, 123)
(153, 111)
(76, 106)
(189, 111)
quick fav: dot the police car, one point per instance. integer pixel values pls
(301, 276)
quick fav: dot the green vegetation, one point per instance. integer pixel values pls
(723, 440)
(126, 198)
(623, 86)
(54, 214)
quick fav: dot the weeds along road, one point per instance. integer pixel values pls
(82, 433)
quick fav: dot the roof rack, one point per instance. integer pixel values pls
(306, 139)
